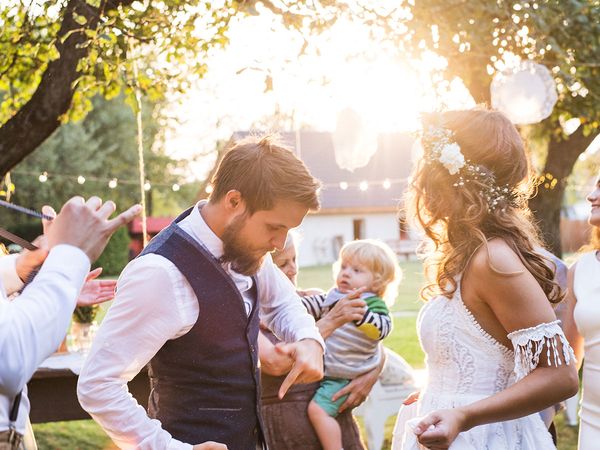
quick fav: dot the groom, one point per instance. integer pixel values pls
(189, 307)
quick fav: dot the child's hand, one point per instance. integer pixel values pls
(355, 293)
(349, 309)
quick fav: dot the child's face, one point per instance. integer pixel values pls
(353, 275)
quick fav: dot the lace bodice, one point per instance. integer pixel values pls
(461, 357)
(465, 364)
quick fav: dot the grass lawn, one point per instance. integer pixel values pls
(85, 434)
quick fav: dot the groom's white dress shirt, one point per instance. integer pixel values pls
(155, 303)
(33, 325)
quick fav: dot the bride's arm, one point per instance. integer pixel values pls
(521, 307)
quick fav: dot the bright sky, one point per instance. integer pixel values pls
(349, 71)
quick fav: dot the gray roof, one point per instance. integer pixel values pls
(391, 161)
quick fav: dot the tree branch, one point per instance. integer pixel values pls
(40, 116)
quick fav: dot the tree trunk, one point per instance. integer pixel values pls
(40, 116)
(471, 69)
(546, 205)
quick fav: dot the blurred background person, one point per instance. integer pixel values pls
(581, 321)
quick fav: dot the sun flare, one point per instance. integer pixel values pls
(262, 81)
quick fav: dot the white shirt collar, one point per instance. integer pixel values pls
(195, 226)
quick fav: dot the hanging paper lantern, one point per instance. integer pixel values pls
(526, 92)
(353, 141)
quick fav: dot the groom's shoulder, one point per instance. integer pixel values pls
(148, 265)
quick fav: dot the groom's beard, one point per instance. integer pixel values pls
(243, 259)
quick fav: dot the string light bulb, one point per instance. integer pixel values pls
(343, 185)
(363, 186)
(147, 186)
(43, 177)
(387, 184)
(175, 187)
(209, 188)
(81, 179)
(113, 183)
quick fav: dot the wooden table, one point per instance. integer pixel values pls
(53, 395)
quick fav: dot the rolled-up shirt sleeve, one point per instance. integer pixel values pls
(33, 325)
(281, 307)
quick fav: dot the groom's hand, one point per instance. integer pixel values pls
(210, 446)
(308, 363)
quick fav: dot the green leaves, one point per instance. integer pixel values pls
(81, 20)
(167, 35)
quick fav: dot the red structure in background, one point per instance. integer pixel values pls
(154, 226)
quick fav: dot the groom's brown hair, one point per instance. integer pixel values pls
(264, 170)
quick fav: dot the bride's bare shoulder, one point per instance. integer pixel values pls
(495, 258)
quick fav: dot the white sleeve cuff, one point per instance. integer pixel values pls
(8, 274)
(70, 261)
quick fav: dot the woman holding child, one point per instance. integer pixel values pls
(495, 352)
(287, 424)
(371, 267)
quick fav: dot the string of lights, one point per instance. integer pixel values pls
(112, 182)
(364, 184)
(547, 181)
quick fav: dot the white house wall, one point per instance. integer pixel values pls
(318, 234)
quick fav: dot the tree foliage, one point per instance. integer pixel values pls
(100, 147)
(57, 55)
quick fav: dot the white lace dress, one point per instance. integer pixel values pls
(465, 364)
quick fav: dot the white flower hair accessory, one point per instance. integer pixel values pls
(441, 148)
(452, 158)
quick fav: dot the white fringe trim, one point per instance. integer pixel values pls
(529, 343)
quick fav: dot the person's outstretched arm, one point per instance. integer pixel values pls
(33, 325)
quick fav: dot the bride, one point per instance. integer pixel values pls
(495, 352)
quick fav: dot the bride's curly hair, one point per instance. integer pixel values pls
(458, 218)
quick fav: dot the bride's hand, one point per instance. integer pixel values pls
(439, 429)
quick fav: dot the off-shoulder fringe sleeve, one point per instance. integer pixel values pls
(529, 344)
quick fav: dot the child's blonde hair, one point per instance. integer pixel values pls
(380, 260)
